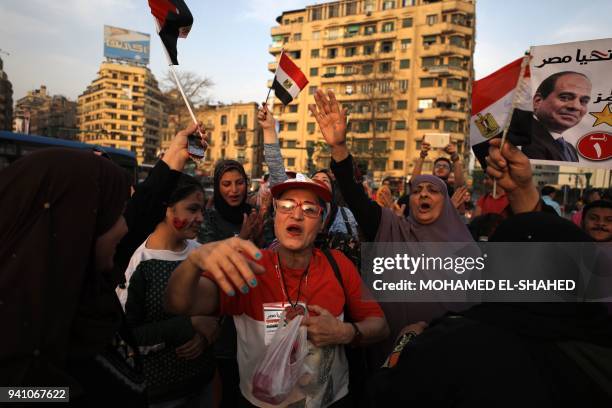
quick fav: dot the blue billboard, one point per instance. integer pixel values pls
(123, 44)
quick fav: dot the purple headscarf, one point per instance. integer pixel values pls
(447, 228)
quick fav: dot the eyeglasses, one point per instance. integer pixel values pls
(441, 166)
(287, 206)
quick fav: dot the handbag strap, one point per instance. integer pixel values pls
(336, 269)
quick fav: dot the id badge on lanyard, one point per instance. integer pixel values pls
(273, 312)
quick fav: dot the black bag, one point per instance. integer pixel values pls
(343, 242)
(358, 367)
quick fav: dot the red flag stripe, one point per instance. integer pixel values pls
(495, 86)
(160, 9)
(293, 71)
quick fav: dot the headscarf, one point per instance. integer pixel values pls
(231, 214)
(447, 228)
(333, 204)
(55, 304)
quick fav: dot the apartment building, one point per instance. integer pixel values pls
(123, 108)
(403, 69)
(6, 99)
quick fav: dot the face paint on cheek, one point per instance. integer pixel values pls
(179, 224)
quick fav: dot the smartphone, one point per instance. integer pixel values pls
(438, 140)
(195, 147)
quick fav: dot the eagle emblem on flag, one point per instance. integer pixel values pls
(487, 125)
(287, 83)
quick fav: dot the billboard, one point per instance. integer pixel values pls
(120, 43)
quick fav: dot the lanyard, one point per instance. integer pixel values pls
(281, 278)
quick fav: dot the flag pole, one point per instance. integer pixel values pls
(177, 81)
(515, 99)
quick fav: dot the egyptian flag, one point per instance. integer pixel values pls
(491, 104)
(288, 80)
(174, 20)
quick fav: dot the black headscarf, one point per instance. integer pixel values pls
(333, 205)
(55, 304)
(231, 214)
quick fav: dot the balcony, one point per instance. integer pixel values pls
(359, 38)
(280, 30)
(240, 126)
(272, 66)
(445, 49)
(445, 70)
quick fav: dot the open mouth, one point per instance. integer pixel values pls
(294, 229)
(424, 207)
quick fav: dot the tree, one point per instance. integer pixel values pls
(196, 89)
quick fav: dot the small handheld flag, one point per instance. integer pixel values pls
(288, 80)
(174, 20)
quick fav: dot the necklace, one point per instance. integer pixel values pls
(294, 308)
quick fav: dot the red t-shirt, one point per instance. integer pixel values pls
(488, 204)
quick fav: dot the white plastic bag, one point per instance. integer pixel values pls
(281, 367)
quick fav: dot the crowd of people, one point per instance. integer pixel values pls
(158, 298)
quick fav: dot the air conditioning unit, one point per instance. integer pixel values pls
(368, 13)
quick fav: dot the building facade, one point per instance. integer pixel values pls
(123, 108)
(235, 134)
(403, 69)
(6, 100)
(40, 113)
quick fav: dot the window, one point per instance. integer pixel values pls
(316, 35)
(455, 83)
(369, 30)
(351, 8)
(332, 53)
(316, 13)
(380, 146)
(348, 89)
(388, 4)
(333, 10)
(314, 53)
(382, 126)
(312, 90)
(350, 51)
(431, 19)
(429, 40)
(363, 126)
(291, 144)
(386, 46)
(402, 104)
(368, 49)
(330, 72)
(297, 37)
(363, 107)
(426, 124)
(292, 108)
(400, 125)
(407, 22)
(290, 161)
(399, 145)
(427, 82)
(387, 27)
(398, 165)
(333, 33)
(361, 145)
(314, 72)
(310, 127)
(404, 64)
(458, 41)
(380, 164)
(450, 126)
(291, 126)
(367, 69)
(369, 6)
(460, 19)
(295, 54)
(384, 86)
(348, 107)
(352, 30)
(384, 67)
(426, 103)
(405, 43)
(428, 61)
(402, 85)
(224, 119)
(383, 107)
(349, 70)
(455, 62)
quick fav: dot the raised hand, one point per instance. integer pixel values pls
(460, 196)
(425, 147)
(329, 116)
(512, 171)
(266, 119)
(250, 225)
(177, 154)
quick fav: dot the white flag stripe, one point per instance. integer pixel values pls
(499, 110)
(281, 77)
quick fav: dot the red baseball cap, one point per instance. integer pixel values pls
(303, 182)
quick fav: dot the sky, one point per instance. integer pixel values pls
(59, 43)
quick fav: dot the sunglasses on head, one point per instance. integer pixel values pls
(287, 206)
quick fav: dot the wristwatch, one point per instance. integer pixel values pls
(357, 336)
